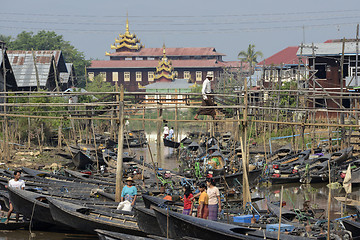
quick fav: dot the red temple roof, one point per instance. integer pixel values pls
(200, 51)
(286, 56)
(154, 63)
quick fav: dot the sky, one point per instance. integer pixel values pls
(228, 25)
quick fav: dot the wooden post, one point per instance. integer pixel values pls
(154, 166)
(329, 204)
(243, 142)
(6, 140)
(119, 162)
(56, 76)
(176, 137)
(95, 145)
(158, 140)
(143, 117)
(59, 135)
(342, 117)
(36, 71)
(281, 199)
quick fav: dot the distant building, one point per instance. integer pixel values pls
(46, 68)
(10, 77)
(133, 65)
(165, 82)
(68, 79)
(325, 58)
(282, 66)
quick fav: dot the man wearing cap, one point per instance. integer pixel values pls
(129, 192)
(207, 100)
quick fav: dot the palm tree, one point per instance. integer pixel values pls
(250, 56)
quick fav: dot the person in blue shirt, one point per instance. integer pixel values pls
(129, 191)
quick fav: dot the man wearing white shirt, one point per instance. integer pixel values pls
(15, 183)
(207, 100)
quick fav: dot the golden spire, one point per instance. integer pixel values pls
(127, 23)
(164, 51)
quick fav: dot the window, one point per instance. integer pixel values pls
(150, 76)
(103, 76)
(138, 76)
(91, 76)
(128, 59)
(186, 75)
(211, 73)
(352, 69)
(127, 76)
(115, 76)
(139, 58)
(176, 73)
(198, 75)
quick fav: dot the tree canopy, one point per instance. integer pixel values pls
(49, 40)
(250, 55)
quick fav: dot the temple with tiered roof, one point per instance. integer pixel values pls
(164, 71)
(134, 66)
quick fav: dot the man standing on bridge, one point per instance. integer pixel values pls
(207, 100)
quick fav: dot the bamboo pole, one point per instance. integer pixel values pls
(119, 162)
(158, 139)
(154, 166)
(329, 204)
(281, 199)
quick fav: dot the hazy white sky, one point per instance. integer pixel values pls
(228, 25)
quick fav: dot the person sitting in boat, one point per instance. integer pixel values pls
(188, 203)
(215, 160)
(18, 184)
(129, 192)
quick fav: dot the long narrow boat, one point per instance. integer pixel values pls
(88, 219)
(167, 227)
(353, 227)
(170, 143)
(155, 201)
(30, 205)
(287, 216)
(181, 225)
(146, 219)
(81, 160)
(86, 178)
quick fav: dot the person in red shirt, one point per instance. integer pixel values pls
(188, 201)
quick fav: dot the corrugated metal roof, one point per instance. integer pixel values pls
(329, 48)
(23, 66)
(177, 84)
(156, 52)
(154, 63)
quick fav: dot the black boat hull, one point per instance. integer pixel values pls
(146, 220)
(353, 227)
(73, 217)
(29, 206)
(172, 144)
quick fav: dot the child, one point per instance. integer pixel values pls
(203, 210)
(188, 202)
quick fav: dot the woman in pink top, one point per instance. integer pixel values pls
(214, 199)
